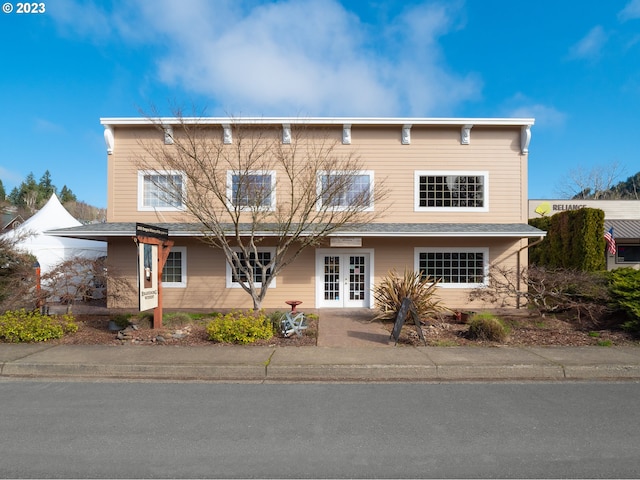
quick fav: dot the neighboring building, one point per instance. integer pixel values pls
(14, 222)
(622, 217)
(476, 168)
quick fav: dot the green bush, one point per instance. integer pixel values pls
(624, 286)
(486, 326)
(177, 319)
(122, 320)
(574, 240)
(31, 326)
(240, 327)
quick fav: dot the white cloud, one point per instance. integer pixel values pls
(86, 19)
(590, 46)
(631, 11)
(10, 179)
(546, 116)
(296, 57)
(47, 126)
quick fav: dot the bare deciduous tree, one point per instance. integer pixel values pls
(252, 189)
(596, 183)
(548, 291)
(17, 276)
(81, 279)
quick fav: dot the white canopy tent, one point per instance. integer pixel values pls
(50, 250)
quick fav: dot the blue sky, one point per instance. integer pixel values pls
(573, 65)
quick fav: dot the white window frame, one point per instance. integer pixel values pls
(183, 269)
(343, 208)
(483, 250)
(233, 284)
(460, 173)
(148, 208)
(272, 198)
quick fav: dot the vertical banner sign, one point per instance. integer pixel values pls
(148, 266)
(148, 275)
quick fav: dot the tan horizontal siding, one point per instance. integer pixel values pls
(491, 149)
(398, 255)
(206, 273)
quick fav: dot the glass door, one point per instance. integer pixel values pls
(344, 280)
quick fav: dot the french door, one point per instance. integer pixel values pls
(343, 279)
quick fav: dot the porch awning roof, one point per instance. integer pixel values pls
(624, 228)
(104, 231)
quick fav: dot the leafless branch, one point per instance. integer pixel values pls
(231, 192)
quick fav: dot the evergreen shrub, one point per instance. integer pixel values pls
(240, 327)
(486, 326)
(624, 286)
(575, 240)
(31, 326)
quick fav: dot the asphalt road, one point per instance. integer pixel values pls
(197, 430)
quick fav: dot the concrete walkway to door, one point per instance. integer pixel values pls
(350, 327)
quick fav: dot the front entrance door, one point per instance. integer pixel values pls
(344, 279)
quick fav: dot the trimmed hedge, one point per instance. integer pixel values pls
(575, 240)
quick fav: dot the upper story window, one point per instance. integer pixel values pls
(463, 191)
(454, 267)
(346, 190)
(161, 190)
(253, 189)
(174, 273)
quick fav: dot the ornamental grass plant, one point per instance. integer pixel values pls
(394, 288)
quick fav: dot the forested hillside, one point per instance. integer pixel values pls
(28, 197)
(628, 189)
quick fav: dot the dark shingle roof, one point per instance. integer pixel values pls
(104, 231)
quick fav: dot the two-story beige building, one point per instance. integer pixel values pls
(455, 203)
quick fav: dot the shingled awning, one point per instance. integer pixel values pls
(104, 231)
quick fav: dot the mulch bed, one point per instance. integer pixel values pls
(94, 330)
(526, 330)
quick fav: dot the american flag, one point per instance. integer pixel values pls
(611, 243)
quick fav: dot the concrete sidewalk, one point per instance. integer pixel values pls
(319, 364)
(351, 348)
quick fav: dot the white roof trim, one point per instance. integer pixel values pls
(130, 121)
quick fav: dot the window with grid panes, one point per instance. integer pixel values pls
(161, 190)
(451, 190)
(174, 271)
(347, 190)
(263, 258)
(453, 267)
(252, 189)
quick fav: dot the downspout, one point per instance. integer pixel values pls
(518, 276)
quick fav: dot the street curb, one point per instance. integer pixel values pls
(324, 373)
(321, 364)
(137, 371)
